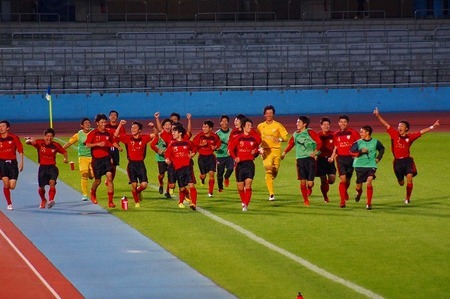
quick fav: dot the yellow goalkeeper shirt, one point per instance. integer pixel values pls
(272, 134)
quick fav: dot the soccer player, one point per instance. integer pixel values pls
(343, 141)
(243, 149)
(326, 168)
(48, 171)
(179, 153)
(136, 145)
(368, 152)
(224, 160)
(84, 155)
(111, 126)
(9, 166)
(272, 134)
(401, 141)
(206, 142)
(159, 146)
(100, 142)
(307, 144)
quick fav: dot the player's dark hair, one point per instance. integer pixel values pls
(114, 111)
(406, 124)
(5, 122)
(83, 120)
(99, 117)
(269, 107)
(226, 117)
(209, 123)
(244, 121)
(176, 115)
(179, 128)
(165, 121)
(49, 130)
(304, 119)
(137, 124)
(241, 117)
(324, 119)
(344, 116)
(367, 129)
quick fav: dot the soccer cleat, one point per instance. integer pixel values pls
(306, 202)
(50, 204)
(167, 195)
(93, 197)
(271, 197)
(137, 205)
(9, 207)
(244, 208)
(43, 204)
(84, 198)
(181, 205)
(161, 190)
(193, 207)
(326, 200)
(210, 195)
(227, 182)
(111, 205)
(357, 197)
(407, 201)
(342, 206)
(368, 207)
(220, 190)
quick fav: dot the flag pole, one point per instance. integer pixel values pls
(48, 96)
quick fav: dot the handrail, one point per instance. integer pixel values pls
(106, 16)
(236, 15)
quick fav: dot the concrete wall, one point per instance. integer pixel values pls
(141, 105)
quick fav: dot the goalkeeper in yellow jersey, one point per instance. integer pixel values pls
(272, 134)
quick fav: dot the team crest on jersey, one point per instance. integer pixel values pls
(348, 137)
(407, 140)
(330, 141)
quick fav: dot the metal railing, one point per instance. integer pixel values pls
(30, 17)
(236, 16)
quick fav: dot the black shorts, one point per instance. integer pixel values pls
(137, 172)
(206, 163)
(47, 173)
(184, 176)
(162, 167)
(115, 155)
(9, 169)
(404, 166)
(171, 178)
(245, 170)
(345, 166)
(225, 162)
(101, 166)
(306, 169)
(362, 173)
(323, 167)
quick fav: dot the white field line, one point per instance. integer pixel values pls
(299, 260)
(35, 271)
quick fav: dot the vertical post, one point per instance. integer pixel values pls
(48, 96)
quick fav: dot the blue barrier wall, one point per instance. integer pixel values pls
(143, 105)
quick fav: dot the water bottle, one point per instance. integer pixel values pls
(124, 203)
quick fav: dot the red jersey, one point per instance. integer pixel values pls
(400, 145)
(9, 146)
(244, 146)
(47, 153)
(178, 152)
(112, 129)
(96, 136)
(206, 149)
(136, 147)
(326, 150)
(343, 141)
(166, 137)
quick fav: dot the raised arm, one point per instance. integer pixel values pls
(426, 130)
(377, 114)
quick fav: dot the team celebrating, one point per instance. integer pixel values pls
(220, 153)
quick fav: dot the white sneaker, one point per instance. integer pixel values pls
(210, 195)
(50, 204)
(406, 201)
(271, 197)
(9, 207)
(84, 198)
(244, 208)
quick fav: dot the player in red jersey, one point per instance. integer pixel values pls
(401, 141)
(100, 142)
(111, 126)
(326, 168)
(243, 149)
(343, 141)
(9, 167)
(136, 145)
(48, 172)
(179, 153)
(206, 143)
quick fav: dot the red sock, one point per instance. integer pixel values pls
(248, 196)
(51, 193)
(41, 193)
(135, 196)
(409, 188)
(182, 196)
(343, 192)
(325, 187)
(309, 190)
(110, 196)
(7, 193)
(369, 194)
(193, 194)
(211, 186)
(242, 196)
(304, 191)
